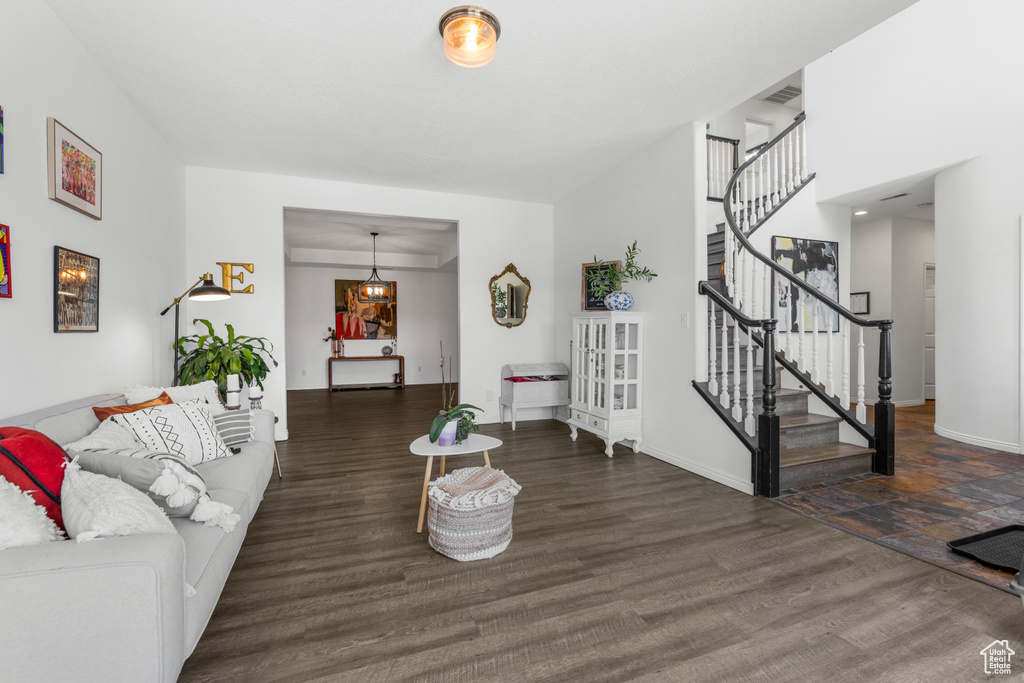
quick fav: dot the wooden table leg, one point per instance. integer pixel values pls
(487, 460)
(423, 498)
(442, 466)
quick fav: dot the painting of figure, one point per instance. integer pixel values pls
(815, 262)
(356, 320)
(76, 291)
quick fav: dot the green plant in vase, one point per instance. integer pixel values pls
(215, 357)
(500, 300)
(606, 282)
(462, 415)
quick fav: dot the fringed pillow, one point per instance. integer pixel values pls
(109, 435)
(96, 507)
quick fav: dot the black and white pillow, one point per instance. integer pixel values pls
(184, 429)
(234, 426)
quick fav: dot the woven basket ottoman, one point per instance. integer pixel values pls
(470, 515)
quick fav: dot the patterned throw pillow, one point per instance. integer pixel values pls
(108, 436)
(184, 429)
(234, 426)
(96, 506)
(35, 464)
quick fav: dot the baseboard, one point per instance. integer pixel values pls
(978, 441)
(706, 472)
(908, 403)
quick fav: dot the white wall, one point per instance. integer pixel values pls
(426, 315)
(732, 124)
(913, 245)
(237, 216)
(656, 198)
(139, 241)
(879, 109)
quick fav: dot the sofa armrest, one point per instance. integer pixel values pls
(263, 425)
(104, 610)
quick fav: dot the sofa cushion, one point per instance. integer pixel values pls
(96, 506)
(103, 413)
(35, 464)
(248, 471)
(24, 522)
(184, 429)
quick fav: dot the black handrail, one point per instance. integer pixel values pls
(704, 287)
(730, 219)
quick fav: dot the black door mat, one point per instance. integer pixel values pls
(1000, 548)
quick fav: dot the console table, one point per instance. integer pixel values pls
(400, 384)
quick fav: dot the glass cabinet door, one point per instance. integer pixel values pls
(598, 400)
(625, 378)
(581, 370)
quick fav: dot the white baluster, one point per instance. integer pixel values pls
(724, 396)
(770, 166)
(862, 411)
(744, 219)
(778, 171)
(789, 162)
(803, 151)
(766, 284)
(737, 407)
(801, 313)
(844, 396)
(756, 305)
(712, 350)
(749, 423)
(796, 156)
(815, 355)
(788, 315)
(745, 305)
(830, 380)
(760, 189)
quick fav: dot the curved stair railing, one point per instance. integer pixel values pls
(755, 287)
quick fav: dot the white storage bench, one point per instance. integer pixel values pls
(546, 385)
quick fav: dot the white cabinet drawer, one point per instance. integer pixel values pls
(580, 416)
(597, 422)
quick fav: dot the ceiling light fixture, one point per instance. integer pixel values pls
(862, 212)
(470, 35)
(374, 290)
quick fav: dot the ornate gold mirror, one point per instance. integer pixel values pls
(510, 293)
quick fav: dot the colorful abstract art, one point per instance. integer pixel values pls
(817, 263)
(76, 291)
(5, 262)
(356, 320)
(74, 170)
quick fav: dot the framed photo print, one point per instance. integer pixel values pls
(860, 303)
(817, 263)
(74, 170)
(76, 291)
(354, 319)
(5, 262)
(588, 301)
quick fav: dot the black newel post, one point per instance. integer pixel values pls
(884, 461)
(766, 467)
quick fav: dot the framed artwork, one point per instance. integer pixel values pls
(589, 302)
(76, 291)
(860, 303)
(74, 170)
(356, 320)
(815, 262)
(5, 262)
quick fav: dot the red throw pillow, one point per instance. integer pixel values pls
(35, 464)
(103, 413)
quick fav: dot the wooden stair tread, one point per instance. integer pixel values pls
(805, 419)
(806, 455)
(779, 393)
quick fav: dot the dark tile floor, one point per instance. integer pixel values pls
(942, 490)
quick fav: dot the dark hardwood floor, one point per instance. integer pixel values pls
(620, 569)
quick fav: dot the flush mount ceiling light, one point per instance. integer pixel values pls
(374, 290)
(862, 212)
(470, 35)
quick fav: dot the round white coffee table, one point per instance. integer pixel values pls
(474, 443)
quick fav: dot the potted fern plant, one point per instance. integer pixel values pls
(607, 283)
(210, 356)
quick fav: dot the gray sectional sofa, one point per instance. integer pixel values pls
(115, 609)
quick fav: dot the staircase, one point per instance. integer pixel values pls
(790, 445)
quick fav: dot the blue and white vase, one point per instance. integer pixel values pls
(618, 301)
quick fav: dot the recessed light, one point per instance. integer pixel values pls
(860, 213)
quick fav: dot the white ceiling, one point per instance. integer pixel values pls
(360, 91)
(882, 202)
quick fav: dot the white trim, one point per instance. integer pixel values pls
(909, 402)
(978, 441)
(706, 472)
(280, 433)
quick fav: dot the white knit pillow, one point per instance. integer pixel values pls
(95, 506)
(204, 391)
(22, 522)
(108, 436)
(184, 429)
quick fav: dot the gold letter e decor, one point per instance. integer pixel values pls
(229, 275)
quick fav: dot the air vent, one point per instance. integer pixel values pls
(895, 196)
(925, 205)
(784, 95)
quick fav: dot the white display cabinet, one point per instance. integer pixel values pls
(606, 377)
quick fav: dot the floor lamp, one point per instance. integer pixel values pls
(207, 291)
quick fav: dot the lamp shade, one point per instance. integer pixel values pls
(470, 35)
(374, 290)
(207, 291)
